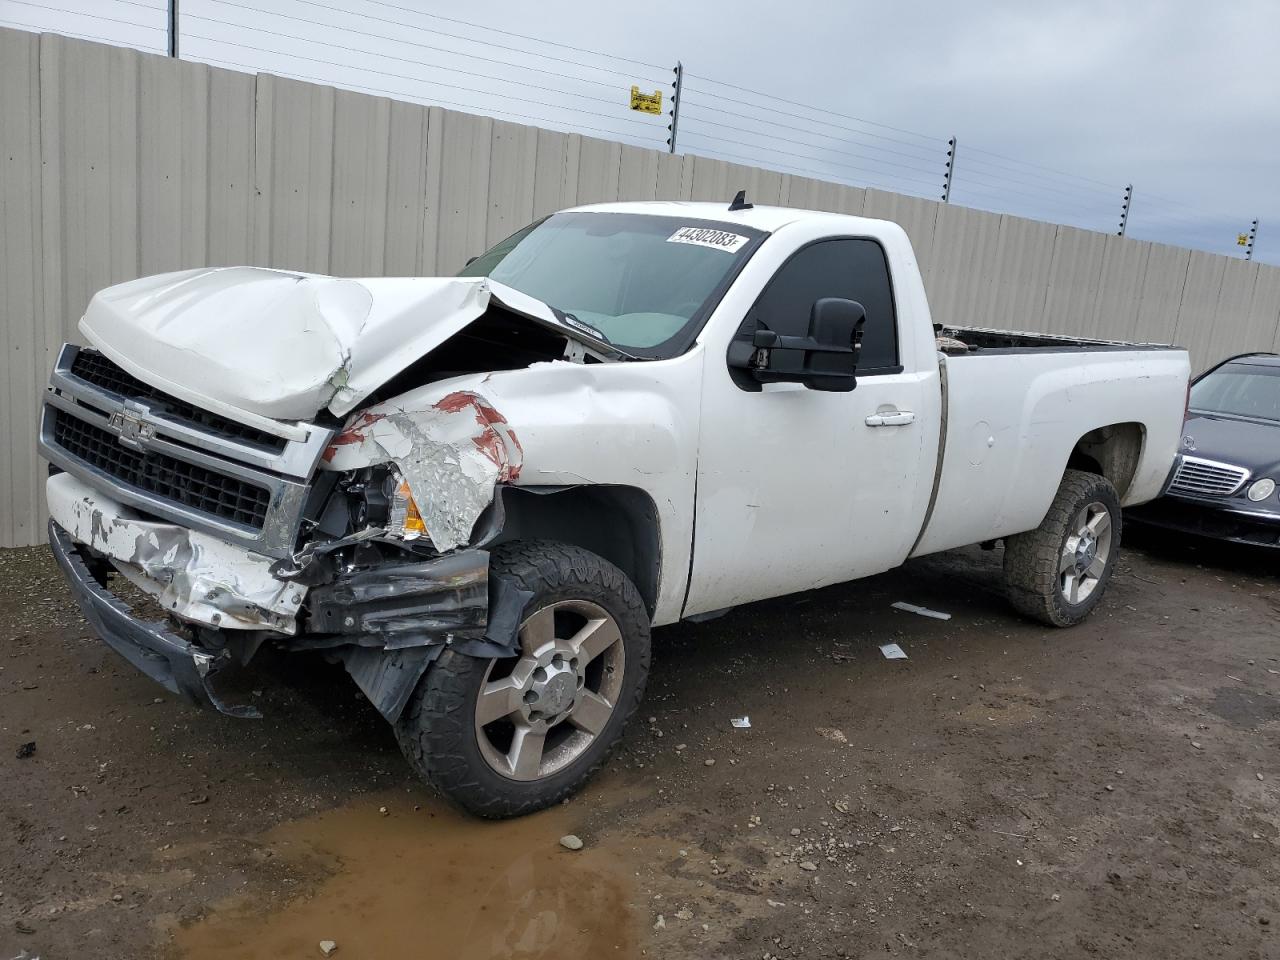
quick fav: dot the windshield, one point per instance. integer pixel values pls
(645, 282)
(1240, 389)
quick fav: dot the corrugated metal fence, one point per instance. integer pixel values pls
(116, 164)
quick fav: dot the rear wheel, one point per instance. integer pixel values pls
(1058, 572)
(505, 737)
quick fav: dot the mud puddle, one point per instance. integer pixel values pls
(430, 883)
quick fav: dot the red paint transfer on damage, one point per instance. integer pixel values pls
(353, 433)
(496, 439)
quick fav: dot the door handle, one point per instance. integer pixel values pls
(897, 418)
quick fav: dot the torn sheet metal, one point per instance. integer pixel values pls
(317, 342)
(452, 452)
(193, 575)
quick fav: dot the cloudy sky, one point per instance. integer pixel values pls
(1056, 107)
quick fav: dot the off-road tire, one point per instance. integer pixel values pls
(436, 731)
(1031, 559)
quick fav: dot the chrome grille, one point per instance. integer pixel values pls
(208, 491)
(174, 460)
(92, 367)
(1207, 478)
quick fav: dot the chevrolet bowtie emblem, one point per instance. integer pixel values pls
(132, 430)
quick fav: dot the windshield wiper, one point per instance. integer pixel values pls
(573, 323)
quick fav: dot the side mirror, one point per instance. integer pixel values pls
(826, 360)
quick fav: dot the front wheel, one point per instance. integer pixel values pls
(1057, 573)
(506, 737)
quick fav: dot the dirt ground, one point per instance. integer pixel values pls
(1008, 791)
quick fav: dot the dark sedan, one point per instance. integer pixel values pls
(1224, 482)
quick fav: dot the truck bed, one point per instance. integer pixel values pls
(1011, 421)
(987, 340)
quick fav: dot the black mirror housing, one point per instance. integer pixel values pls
(825, 360)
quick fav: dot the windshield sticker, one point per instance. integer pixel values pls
(706, 237)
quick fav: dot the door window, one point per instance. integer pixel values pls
(852, 269)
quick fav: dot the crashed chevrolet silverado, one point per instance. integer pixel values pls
(479, 493)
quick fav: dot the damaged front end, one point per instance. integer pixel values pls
(396, 566)
(384, 601)
(256, 507)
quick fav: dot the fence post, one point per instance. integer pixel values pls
(1253, 235)
(173, 28)
(1124, 210)
(951, 169)
(678, 84)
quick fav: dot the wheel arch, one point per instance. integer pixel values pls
(1113, 451)
(618, 523)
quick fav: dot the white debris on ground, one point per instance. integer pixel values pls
(921, 611)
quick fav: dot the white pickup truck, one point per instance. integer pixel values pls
(480, 493)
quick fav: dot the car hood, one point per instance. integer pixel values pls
(1253, 444)
(285, 345)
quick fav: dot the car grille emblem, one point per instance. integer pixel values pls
(1189, 443)
(133, 431)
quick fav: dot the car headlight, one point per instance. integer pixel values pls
(1261, 489)
(404, 520)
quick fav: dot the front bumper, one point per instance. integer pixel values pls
(176, 664)
(192, 575)
(1254, 528)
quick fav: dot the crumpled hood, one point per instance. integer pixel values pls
(285, 345)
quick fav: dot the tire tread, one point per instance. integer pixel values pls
(437, 720)
(1031, 558)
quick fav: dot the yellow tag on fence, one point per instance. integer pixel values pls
(646, 102)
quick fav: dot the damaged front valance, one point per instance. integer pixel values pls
(389, 623)
(447, 601)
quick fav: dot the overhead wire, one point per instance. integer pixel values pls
(386, 56)
(817, 146)
(816, 133)
(823, 160)
(794, 116)
(971, 178)
(1027, 163)
(419, 98)
(37, 29)
(1017, 176)
(93, 16)
(510, 33)
(400, 76)
(439, 33)
(805, 106)
(791, 168)
(1003, 204)
(380, 36)
(985, 172)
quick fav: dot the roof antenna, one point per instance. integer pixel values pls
(740, 201)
